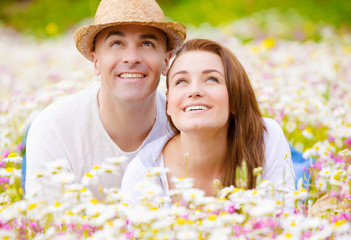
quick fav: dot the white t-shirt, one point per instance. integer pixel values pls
(71, 129)
(278, 164)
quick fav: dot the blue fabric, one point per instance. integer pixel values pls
(24, 161)
(300, 165)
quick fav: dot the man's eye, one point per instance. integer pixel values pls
(148, 44)
(116, 43)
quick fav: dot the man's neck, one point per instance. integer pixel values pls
(128, 124)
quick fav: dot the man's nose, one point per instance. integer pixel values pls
(131, 56)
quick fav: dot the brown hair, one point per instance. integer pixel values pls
(246, 128)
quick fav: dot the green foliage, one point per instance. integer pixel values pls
(46, 17)
(223, 11)
(51, 17)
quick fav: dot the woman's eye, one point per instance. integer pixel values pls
(180, 81)
(212, 79)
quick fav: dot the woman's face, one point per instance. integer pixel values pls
(197, 95)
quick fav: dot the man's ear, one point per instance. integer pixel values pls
(96, 63)
(167, 59)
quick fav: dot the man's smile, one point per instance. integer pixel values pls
(131, 75)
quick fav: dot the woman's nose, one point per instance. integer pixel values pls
(195, 90)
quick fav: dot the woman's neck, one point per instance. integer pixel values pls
(198, 155)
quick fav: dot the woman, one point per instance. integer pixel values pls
(217, 124)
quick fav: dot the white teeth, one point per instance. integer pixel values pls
(194, 108)
(131, 75)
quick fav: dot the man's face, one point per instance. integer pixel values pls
(130, 59)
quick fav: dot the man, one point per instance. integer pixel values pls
(130, 45)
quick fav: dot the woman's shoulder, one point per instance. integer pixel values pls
(273, 128)
(271, 124)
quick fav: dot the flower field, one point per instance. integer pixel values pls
(304, 85)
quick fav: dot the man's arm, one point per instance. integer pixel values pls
(43, 150)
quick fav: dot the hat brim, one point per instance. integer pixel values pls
(84, 36)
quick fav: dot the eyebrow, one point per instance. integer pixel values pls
(149, 36)
(113, 33)
(205, 71)
(212, 70)
(121, 34)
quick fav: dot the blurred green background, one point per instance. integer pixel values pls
(44, 18)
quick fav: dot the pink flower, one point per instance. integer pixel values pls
(20, 147)
(333, 193)
(71, 225)
(317, 165)
(4, 180)
(231, 209)
(331, 139)
(345, 216)
(33, 225)
(5, 154)
(238, 230)
(85, 226)
(348, 141)
(334, 219)
(129, 235)
(306, 235)
(302, 126)
(296, 211)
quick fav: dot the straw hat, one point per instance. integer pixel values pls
(121, 12)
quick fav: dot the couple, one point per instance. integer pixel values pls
(210, 102)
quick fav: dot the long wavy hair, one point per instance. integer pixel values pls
(246, 128)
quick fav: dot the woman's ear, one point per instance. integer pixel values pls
(167, 102)
(232, 111)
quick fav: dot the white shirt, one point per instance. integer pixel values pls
(278, 164)
(71, 129)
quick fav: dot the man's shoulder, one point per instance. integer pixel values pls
(150, 153)
(70, 105)
(161, 94)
